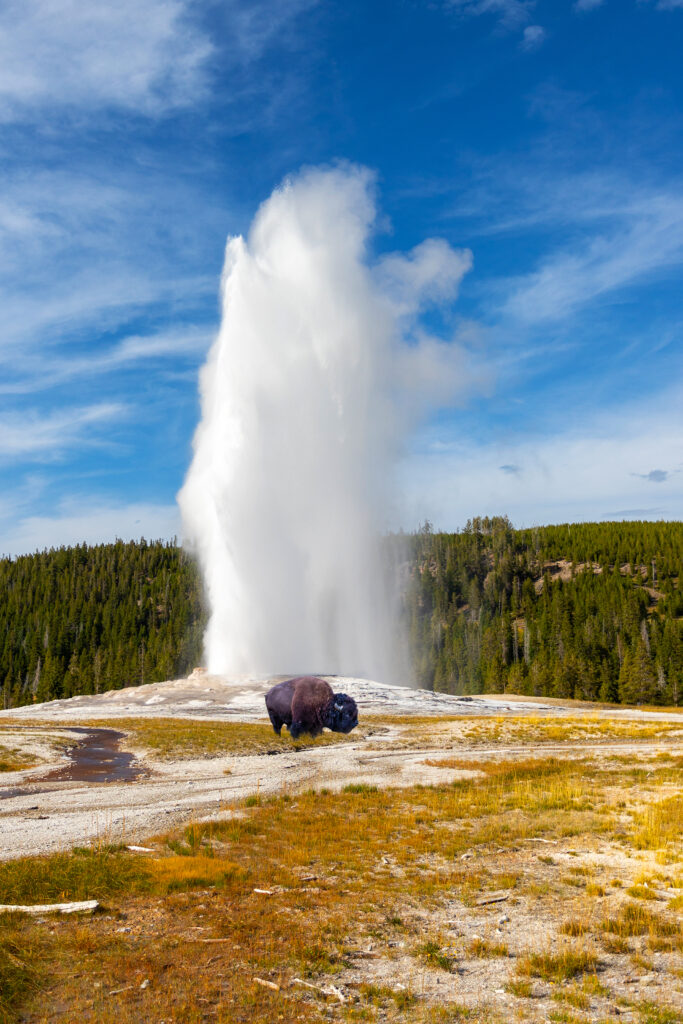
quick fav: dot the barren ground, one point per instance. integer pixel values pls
(484, 860)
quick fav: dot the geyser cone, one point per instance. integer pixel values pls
(287, 494)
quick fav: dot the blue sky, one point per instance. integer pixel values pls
(545, 137)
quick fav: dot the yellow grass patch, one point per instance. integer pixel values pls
(178, 738)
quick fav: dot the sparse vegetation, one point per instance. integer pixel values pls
(175, 739)
(558, 967)
(13, 760)
(379, 893)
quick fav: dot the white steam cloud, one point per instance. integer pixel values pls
(317, 374)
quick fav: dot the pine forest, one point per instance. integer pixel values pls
(592, 611)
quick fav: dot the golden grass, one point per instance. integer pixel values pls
(485, 949)
(661, 825)
(334, 870)
(558, 967)
(637, 919)
(14, 760)
(179, 738)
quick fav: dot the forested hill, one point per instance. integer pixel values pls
(593, 611)
(90, 619)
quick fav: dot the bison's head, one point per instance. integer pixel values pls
(343, 714)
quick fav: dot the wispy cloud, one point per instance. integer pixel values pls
(587, 5)
(44, 436)
(510, 13)
(634, 513)
(149, 58)
(44, 371)
(655, 476)
(81, 520)
(569, 475)
(253, 27)
(533, 37)
(635, 234)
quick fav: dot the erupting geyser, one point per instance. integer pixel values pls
(304, 409)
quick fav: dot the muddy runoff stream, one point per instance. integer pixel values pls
(95, 758)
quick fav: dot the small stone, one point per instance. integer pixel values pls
(145, 984)
(503, 920)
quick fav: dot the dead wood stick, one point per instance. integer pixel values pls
(85, 907)
(492, 898)
(332, 990)
(267, 984)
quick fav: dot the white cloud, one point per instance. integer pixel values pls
(641, 233)
(147, 57)
(253, 26)
(582, 474)
(30, 435)
(81, 254)
(45, 370)
(80, 520)
(587, 5)
(511, 13)
(533, 37)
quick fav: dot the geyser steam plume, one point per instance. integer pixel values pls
(307, 395)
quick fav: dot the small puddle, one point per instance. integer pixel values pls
(96, 758)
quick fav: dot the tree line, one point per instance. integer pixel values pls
(88, 619)
(590, 610)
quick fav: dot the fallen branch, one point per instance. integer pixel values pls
(267, 984)
(331, 990)
(86, 907)
(492, 898)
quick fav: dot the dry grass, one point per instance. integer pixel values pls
(636, 919)
(351, 882)
(558, 967)
(14, 760)
(181, 738)
(661, 825)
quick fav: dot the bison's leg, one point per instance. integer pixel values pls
(276, 721)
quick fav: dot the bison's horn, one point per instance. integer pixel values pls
(339, 707)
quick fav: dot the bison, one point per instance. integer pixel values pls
(307, 704)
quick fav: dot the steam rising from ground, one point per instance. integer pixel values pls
(308, 393)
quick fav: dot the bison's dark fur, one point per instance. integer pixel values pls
(308, 704)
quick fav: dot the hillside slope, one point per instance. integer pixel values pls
(591, 611)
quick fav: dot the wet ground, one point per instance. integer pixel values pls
(96, 758)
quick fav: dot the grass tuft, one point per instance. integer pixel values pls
(558, 967)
